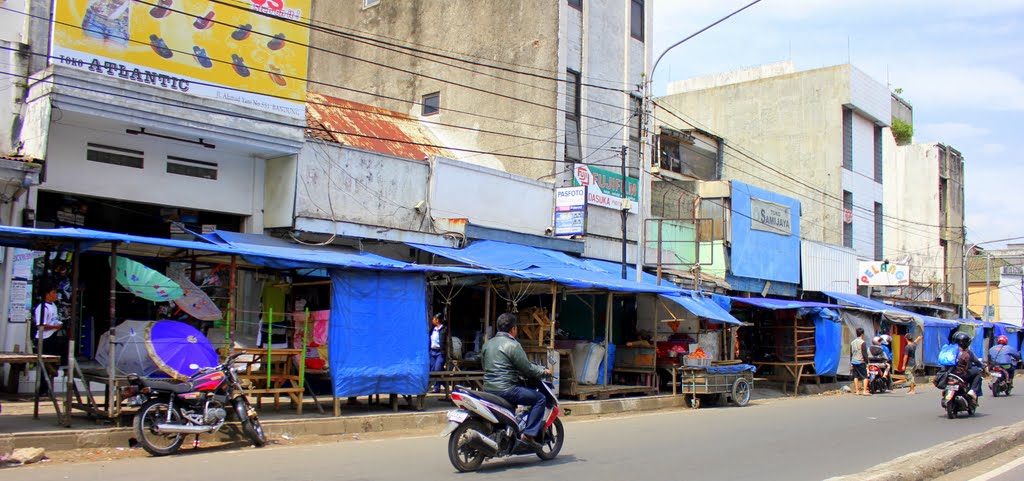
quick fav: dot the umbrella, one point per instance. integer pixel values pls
(179, 349)
(130, 354)
(145, 282)
(195, 302)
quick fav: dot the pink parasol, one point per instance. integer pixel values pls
(195, 302)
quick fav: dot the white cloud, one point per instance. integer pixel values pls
(993, 149)
(961, 86)
(947, 132)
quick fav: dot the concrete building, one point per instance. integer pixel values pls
(534, 88)
(815, 135)
(924, 192)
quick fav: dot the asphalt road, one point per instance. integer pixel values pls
(808, 438)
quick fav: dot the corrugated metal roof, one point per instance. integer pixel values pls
(976, 269)
(371, 128)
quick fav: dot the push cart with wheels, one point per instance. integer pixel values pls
(734, 382)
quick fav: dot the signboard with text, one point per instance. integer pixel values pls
(570, 210)
(770, 217)
(605, 187)
(883, 274)
(252, 53)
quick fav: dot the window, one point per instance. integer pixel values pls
(114, 155)
(848, 218)
(879, 240)
(878, 154)
(847, 138)
(191, 168)
(432, 104)
(679, 153)
(636, 20)
(943, 199)
(572, 117)
(577, 4)
(636, 124)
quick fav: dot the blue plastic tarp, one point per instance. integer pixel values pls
(702, 307)
(762, 254)
(533, 263)
(769, 303)
(934, 337)
(730, 369)
(377, 335)
(828, 342)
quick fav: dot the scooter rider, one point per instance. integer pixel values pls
(968, 367)
(505, 363)
(1005, 357)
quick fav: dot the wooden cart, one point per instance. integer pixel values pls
(694, 381)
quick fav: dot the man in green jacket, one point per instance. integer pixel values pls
(505, 363)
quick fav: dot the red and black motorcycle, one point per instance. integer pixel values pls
(172, 410)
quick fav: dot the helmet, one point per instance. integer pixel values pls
(876, 340)
(886, 339)
(962, 339)
(1002, 340)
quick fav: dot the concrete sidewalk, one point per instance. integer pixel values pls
(19, 430)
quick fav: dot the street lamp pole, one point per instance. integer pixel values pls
(648, 140)
(963, 269)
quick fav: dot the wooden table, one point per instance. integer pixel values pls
(18, 361)
(795, 370)
(258, 382)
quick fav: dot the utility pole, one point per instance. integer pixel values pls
(987, 315)
(624, 208)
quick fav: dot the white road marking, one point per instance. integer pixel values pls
(1000, 470)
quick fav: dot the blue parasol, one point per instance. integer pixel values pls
(179, 349)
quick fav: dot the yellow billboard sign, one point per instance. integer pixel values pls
(248, 52)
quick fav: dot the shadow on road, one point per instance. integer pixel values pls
(524, 462)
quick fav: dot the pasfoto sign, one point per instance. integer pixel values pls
(252, 53)
(605, 187)
(883, 274)
(570, 210)
(770, 217)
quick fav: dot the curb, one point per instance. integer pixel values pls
(944, 458)
(60, 440)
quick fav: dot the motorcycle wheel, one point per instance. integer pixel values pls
(995, 390)
(553, 439)
(971, 409)
(250, 425)
(951, 409)
(463, 456)
(150, 414)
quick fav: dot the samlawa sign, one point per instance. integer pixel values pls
(883, 274)
(606, 187)
(770, 217)
(251, 53)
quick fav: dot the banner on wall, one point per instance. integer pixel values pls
(605, 187)
(252, 52)
(570, 210)
(770, 217)
(883, 274)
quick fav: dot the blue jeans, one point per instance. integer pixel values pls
(436, 364)
(521, 396)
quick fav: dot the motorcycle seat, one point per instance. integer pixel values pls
(492, 398)
(175, 387)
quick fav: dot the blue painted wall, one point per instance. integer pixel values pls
(759, 254)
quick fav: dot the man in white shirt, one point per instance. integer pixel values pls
(437, 344)
(48, 323)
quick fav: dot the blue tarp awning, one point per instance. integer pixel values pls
(534, 263)
(702, 307)
(976, 322)
(769, 303)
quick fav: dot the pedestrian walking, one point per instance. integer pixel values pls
(910, 362)
(858, 364)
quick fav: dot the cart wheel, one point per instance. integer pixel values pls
(740, 392)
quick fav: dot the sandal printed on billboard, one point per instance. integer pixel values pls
(605, 187)
(249, 52)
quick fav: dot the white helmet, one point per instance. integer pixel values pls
(886, 339)
(876, 340)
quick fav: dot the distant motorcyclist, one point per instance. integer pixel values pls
(505, 363)
(968, 367)
(1005, 357)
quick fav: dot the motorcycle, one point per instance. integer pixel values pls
(1001, 382)
(169, 411)
(955, 398)
(878, 378)
(487, 426)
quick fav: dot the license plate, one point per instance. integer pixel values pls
(457, 416)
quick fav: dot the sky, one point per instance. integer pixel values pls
(960, 65)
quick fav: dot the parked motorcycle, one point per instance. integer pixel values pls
(1001, 382)
(487, 426)
(955, 398)
(878, 378)
(172, 410)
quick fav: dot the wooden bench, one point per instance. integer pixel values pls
(258, 382)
